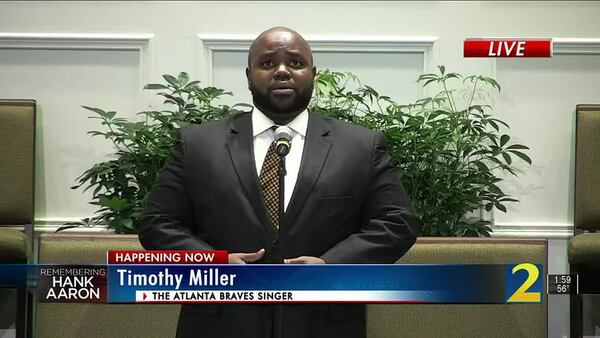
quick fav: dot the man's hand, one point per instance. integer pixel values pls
(304, 260)
(243, 258)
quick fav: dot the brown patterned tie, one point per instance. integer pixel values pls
(269, 182)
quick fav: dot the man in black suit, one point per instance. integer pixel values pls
(344, 202)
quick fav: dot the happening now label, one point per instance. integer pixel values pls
(167, 257)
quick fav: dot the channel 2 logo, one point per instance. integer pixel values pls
(523, 283)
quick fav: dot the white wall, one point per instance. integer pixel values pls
(69, 54)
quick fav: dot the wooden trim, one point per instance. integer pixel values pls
(501, 231)
(74, 41)
(208, 44)
(420, 240)
(479, 240)
(93, 237)
(588, 107)
(17, 102)
(576, 46)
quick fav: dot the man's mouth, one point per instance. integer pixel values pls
(282, 89)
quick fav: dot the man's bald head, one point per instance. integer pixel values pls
(276, 31)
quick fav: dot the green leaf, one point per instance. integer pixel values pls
(481, 152)
(504, 139)
(500, 207)
(490, 81)
(507, 158)
(429, 81)
(97, 133)
(155, 86)
(95, 110)
(191, 84)
(496, 150)
(494, 125)
(522, 156)
(128, 223)
(171, 80)
(493, 188)
(517, 146)
(66, 227)
(471, 78)
(427, 77)
(183, 78)
(501, 122)
(452, 76)
(482, 167)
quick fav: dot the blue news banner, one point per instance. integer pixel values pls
(398, 283)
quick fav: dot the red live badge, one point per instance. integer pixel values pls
(508, 48)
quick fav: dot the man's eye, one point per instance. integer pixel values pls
(267, 63)
(296, 63)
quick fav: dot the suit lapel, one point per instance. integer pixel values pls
(316, 149)
(241, 151)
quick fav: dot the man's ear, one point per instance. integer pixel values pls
(314, 71)
(248, 77)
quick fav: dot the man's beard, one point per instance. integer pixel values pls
(281, 115)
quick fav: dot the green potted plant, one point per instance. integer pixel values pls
(121, 185)
(450, 158)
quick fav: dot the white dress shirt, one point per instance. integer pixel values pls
(263, 136)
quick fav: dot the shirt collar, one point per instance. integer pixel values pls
(260, 123)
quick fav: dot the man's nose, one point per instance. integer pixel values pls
(282, 72)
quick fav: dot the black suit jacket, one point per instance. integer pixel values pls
(348, 206)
